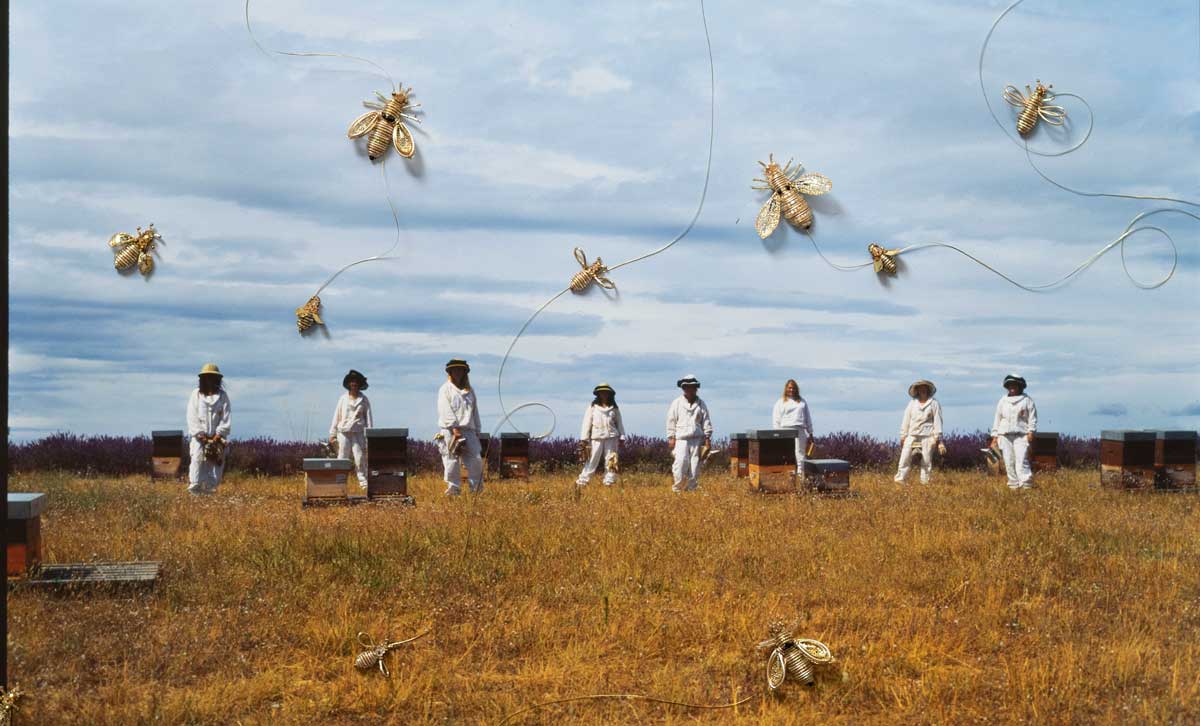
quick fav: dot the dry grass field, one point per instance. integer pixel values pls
(960, 602)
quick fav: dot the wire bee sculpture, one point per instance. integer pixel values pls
(385, 123)
(788, 188)
(612, 462)
(595, 272)
(214, 449)
(135, 249)
(375, 653)
(309, 314)
(1035, 106)
(885, 260)
(792, 657)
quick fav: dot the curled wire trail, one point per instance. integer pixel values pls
(712, 121)
(625, 696)
(311, 54)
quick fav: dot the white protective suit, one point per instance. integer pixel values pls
(689, 424)
(351, 419)
(919, 431)
(457, 409)
(1016, 418)
(209, 415)
(603, 427)
(791, 413)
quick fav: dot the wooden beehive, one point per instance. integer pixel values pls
(166, 456)
(771, 455)
(485, 443)
(1127, 459)
(1175, 459)
(326, 478)
(23, 533)
(827, 475)
(739, 456)
(1043, 453)
(514, 456)
(387, 462)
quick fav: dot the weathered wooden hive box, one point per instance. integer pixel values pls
(771, 455)
(1127, 459)
(1175, 459)
(827, 475)
(514, 456)
(387, 462)
(166, 454)
(739, 456)
(1043, 453)
(326, 478)
(23, 531)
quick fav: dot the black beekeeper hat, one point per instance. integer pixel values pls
(354, 375)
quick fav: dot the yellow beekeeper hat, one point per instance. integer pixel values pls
(210, 369)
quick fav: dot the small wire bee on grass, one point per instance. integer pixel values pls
(885, 260)
(385, 123)
(792, 657)
(376, 652)
(787, 189)
(595, 272)
(1034, 107)
(137, 249)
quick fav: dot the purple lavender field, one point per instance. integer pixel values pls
(127, 455)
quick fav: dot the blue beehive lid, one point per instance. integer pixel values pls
(327, 464)
(759, 434)
(513, 435)
(387, 433)
(737, 436)
(1126, 435)
(1173, 435)
(167, 434)
(824, 465)
(26, 505)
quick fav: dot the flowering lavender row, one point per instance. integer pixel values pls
(125, 455)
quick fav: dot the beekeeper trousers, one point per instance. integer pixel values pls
(801, 451)
(686, 468)
(203, 475)
(1015, 448)
(353, 445)
(913, 444)
(599, 457)
(469, 456)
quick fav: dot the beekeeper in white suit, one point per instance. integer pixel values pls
(791, 412)
(920, 430)
(1013, 429)
(209, 423)
(602, 427)
(689, 427)
(458, 419)
(351, 419)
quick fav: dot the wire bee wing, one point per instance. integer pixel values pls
(120, 239)
(879, 264)
(1053, 115)
(776, 671)
(403, 141)
(1013, 96)
(363, 124)
(813, 184)
(145, 263)
(317, 318)
(768, 217)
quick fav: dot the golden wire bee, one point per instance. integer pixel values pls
(1034, 107)
(135, 249)
(384, 124)
(214, 449)
(595, 272)
(792, 657)
(787, 189)
(885, 260)
(376, 652)
(309, 314)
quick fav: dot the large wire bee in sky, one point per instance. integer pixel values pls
(1034, 106)
(386, 124)
(787, 188)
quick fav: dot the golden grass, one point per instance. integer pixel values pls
(959, 602)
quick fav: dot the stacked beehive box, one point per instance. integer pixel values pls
(514, 456)
(166, 455)
(771, 465)
(1127, 459)
(739, 456)
(387, 462)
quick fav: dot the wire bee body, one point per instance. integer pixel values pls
(375, 654)
(135, 249)
(792, 657)
(595, 272)
(787, 189)
(1035, 106)
(885, 260)
(309, 314)
(385, 125)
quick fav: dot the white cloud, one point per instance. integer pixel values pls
(594, 80)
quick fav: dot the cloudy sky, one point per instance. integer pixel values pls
(553, 125)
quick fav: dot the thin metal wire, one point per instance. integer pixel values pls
(387, 190)
(626, 696)
(712, 121)
(308, 54)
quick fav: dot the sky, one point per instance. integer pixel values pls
(549, 126)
